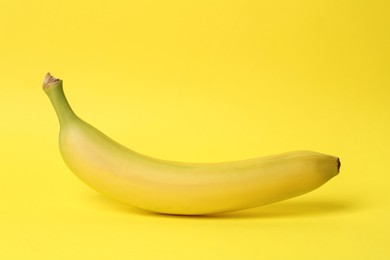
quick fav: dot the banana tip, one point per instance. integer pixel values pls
(338, 164)
(49, 80)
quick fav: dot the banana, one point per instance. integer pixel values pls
(176, 187)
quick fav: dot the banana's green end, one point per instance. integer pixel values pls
(53, 88)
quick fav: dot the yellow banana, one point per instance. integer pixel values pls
(177, 187)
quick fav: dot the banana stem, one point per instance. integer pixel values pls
(53, 88)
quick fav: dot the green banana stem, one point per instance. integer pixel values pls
(53, 88)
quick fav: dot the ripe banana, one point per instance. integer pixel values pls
(176, 187)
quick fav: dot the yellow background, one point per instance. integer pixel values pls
(197, 81)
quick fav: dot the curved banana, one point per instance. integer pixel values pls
(181, 188)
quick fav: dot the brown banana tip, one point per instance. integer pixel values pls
(338, 164)
(49, 80)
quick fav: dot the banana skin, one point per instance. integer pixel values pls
(176, 187)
